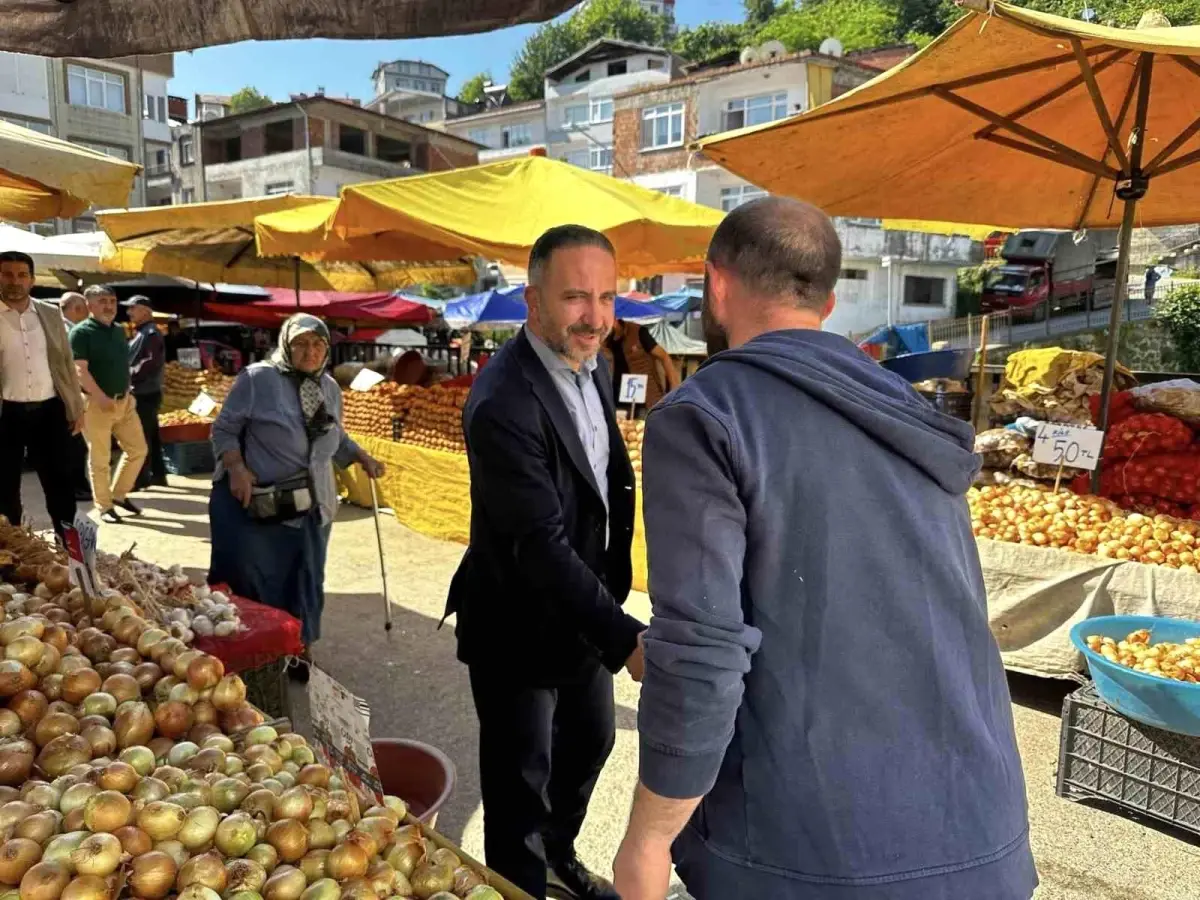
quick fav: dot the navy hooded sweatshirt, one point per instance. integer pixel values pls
(819, 665)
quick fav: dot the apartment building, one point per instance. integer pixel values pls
(504, 129)
(308, 146)
(119, 107)
(414, 91)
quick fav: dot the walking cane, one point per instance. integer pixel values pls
(387, 604)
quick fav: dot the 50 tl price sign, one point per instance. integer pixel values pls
(1068, 445)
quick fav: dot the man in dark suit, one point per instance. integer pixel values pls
(538, 594)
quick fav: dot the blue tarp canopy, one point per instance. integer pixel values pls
(902, 338)
(684, 300)
(506, 308)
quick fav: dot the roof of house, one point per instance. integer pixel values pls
(497, 111)
(599, 50)
(384, 65)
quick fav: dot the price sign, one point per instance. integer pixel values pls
(365, 380)
(189, 357)
(1068, 445)
(341, 724)
(81, 554)
(633, 388)
(203, 405)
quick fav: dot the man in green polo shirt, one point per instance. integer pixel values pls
(102, 360)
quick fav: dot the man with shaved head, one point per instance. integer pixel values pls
(824, 714)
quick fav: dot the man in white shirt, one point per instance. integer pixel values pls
(41, 404)
(74, 308)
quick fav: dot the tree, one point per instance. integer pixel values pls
(549, 45)
(759, 12)
(472, 89)
(1124, 13)
(858, 24)
(1179, 313)
(247, 99)
(710, 39)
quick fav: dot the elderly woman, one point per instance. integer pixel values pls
(273, 497)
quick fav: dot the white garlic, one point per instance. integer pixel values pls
(202, 625)
(224, 629)
(219, 597)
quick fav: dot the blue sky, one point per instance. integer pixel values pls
(343, 68)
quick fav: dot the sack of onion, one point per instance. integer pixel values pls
(131, 765)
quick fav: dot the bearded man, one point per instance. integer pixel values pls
(538, 594)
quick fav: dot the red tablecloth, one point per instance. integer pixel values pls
(269, 635)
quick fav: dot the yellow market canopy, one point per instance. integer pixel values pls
(214, 242)
(42, 177)
(498, 210)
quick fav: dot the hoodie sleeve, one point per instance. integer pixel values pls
(698, 645)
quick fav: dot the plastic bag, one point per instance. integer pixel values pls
(1179, 397)
(1000, 446)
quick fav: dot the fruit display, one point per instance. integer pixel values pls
(1166, 659)
(434, 419)
(1084, 524)
(183, 417)
(372, 412)
(133, 766)
(632, 431)
(181, 386)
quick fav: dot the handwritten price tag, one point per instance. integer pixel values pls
(633, 388)
(81, 554)
(189, 357)
(365, 380)
(1068, 445)
(203, 405)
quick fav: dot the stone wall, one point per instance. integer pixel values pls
(1144, 346)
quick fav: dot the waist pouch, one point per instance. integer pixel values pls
(284, 501)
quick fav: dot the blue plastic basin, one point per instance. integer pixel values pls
(914, 367)
(1171, 705)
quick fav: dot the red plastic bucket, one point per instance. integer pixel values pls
(420, 775)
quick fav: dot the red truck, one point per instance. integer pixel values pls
(1050, 270)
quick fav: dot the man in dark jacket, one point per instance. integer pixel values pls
(147, 359)
(538, 594)
(824, 713)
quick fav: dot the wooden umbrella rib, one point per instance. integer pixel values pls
(1093, 167)
(1155, 165)
(1146, 61)
(1126, 105)
(246, 245)
(1178, 163)
(1061, 151)
(1093, 89)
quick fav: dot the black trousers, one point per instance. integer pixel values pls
(540, 753)
(154, 470)
(42, 430)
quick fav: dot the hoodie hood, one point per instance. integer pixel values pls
(831, 370)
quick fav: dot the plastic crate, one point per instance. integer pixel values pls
(189, 457)
(267, 689)
(1135, 768)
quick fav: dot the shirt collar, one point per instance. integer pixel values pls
(552, 361)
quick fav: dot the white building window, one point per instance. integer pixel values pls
(480, 136)
(754, 110)
(853, 275)
(516, 135)
(671, 190)
(733, 197)
(31, 124)
(99, 90)
(920, 290)
(662, 126)
(279, 187)
(579, 158)
(162, 109)
(602, 109)
(106, 149)
(187, 150)
(575, 115)
(187, 195)
(600, 159)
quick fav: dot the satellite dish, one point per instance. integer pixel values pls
(831, 46)
(772, 50)
(749, 55)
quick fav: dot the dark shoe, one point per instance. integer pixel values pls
(159, 482)
(129, 506)
(82, 496)
(110, 516)
(568, 879)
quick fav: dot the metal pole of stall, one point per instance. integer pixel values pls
(296, 273)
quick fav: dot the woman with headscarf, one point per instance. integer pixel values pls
(273, 498)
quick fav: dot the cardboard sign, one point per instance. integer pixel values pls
(189, 357)
(633, 388)
(365, 380)
(1068, 445)
(341, 725)
(81, 554)
(203, 405)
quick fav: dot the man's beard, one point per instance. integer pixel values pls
(715, 336)
(560, 342)
(14, 294)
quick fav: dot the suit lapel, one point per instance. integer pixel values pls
(556, 408)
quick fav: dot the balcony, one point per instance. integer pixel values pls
(158, 174)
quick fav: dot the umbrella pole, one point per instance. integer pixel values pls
(296, 272)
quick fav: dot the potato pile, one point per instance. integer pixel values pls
(632, 431)
(133, 766)
(183, 417)
(372, 412)
(1166, 659)
(1084, 524)
(434, 419)
(181, 386)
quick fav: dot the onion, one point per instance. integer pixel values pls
(198, 892)
(45, 881)
(265, 755)
(303, 756)
(15, 677)
(199, 827)
(73, 821)
(122, 687)
(204, 672)
(15, 628)
(405, 857)
(341, 828)
(184, 693)
(358, 889)
(235, 720)
(431, 877)
(260, 802)
(314, 865)
(133, 840)
(324, 889)
(210, 760)
(149, 788)
(289, 837)
(99, 704)
(321, 835)
(263, 734)
(76, 797)
(347, 861)
(134, 725)
(152, 875)
(387, 812)
(146, 675)
(207, 869)
(244, 875)
(101, 739)
(265, 855)
(60, 848)
(161, 820)
(98, 854)
(175, 850)
(124, 655)
(294, 803)
(382, 878)
(160, 747)
(184, 659)
(17, 856)
(30, 706)
(228, 794)
(364, 839)
(171, 776)
(26, 649)
(88, 887)
(48, 664)
(118, 776)
(107, 811)
(140, 760)
(56, 577)
(285, 883)
(57, 636)
(41, 794)
(229, 693)
(235, 835)
(173, 719)
(11, 723)
(53, 725)
(148, 639)
(218, 740)
(39, 827)
(78, 685)
(62, 753)
(52, 686)
(379, 827)
(72, 662)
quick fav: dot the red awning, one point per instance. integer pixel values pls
(379, 309)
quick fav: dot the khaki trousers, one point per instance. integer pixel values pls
(99, 428)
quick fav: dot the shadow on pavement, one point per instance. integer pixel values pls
(1045, 695)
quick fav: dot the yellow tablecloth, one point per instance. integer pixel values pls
(430, 492)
